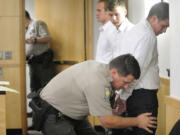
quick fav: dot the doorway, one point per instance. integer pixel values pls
(70, 26)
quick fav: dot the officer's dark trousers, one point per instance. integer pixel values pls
(40, 75)
(142, 101)
(66, 126)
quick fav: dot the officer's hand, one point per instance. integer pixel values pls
(30, 41)
(146, 121)
(119, 105)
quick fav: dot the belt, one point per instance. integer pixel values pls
(52, 110)
(56, 112)
(45, 57)
(145, 91)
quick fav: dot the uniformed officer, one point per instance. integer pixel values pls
(38, 55)
(84, 89)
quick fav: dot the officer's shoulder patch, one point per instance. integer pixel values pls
(107, 93)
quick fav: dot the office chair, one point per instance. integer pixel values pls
(176, 129)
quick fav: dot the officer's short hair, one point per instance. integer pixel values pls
(116, 3)
(161, 10)
(126, 65)
(27, 15)
(106, 2)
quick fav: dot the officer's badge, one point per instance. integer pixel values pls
(107, 93)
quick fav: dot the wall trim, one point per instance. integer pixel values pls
(17, 131)
(2, 92)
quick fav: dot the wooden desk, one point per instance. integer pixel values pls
(2, 113)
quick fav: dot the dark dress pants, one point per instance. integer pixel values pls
(142, 101)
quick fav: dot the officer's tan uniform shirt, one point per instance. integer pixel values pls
(81, 90)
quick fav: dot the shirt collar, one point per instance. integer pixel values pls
(105, 26)
(148, 25)
(108, 76)
(123, 25)
(27, 27)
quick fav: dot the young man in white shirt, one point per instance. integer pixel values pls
(117, 12)
(109, 12)
(141, 41)
(104, 51)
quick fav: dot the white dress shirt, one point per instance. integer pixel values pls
(104, 51)
(125, 26)
(141, 42)
(108, 35)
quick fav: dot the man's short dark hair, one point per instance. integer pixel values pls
(126, 65)
(161, 10)
(116, 3)
(106, 3)
(27, 15)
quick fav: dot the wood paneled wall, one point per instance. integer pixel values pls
(2, 114)
(13, 70)
(65, 20)
(89, 29)
(70, 26)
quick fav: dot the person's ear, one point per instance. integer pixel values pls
(113, 71)
(125, 12)
(154, 19)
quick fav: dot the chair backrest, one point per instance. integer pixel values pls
(176, 129)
